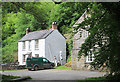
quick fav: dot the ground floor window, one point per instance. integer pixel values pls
(23, 58)
(90, 58)
(36, 55)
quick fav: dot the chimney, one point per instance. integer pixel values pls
(54, 25)
(27, 30)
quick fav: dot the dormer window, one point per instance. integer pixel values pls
(36, 44)
(23, 45)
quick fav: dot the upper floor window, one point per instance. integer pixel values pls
(85, 34)
(23, 45)
(29, 45)
(36, 44)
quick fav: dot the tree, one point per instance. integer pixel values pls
(13, 29)
(65, 14)
(105, 34)
(18, 16)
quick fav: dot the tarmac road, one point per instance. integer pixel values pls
(55, 74)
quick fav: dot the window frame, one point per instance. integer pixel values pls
(24, 59)
(29, 45)
(37, 55)
(90, 57)
(23, 45)
(46, 61)
(37, 41)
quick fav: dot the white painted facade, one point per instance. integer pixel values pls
(54, 44)
(48, 48)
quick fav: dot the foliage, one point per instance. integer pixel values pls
(6, 78)
(13, 29)
(96, 78)
(103, 40)
(69, 59)
(65, 14)
(16, 19)
(9, 78)
(69, 45)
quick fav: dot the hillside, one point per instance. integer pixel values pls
(17, 16)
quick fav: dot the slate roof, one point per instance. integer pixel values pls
(42, 34)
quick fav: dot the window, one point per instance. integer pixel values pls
(23, 45)
(90, 58)
(45, 60)
(85, 34)
(29, 45)
(36, 55)
(36, 44)
(23, 58)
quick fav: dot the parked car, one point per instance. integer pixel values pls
(35, 63)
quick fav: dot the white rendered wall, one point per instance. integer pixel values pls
(40, 51)
(20, 53)
(55, 43)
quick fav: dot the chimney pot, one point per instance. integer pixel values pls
(54, 25)
(27, 30)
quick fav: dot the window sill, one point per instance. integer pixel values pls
(88, 62)
(37, 49)
(23, 50)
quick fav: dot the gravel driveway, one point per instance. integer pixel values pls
(55, 74)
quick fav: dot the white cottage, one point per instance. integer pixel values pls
(44, 43)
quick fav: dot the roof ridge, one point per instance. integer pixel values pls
(37, 35)
(39, 30)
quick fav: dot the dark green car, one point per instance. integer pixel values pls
(35, 63)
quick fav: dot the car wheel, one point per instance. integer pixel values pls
(36, 68)
(51, 66)
(29, 69)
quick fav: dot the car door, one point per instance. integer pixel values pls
(46, 63)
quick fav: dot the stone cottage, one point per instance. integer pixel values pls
(47, 43)
(78, 39)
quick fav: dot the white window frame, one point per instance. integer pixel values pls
(90, 58)
(29, 45)
(23, 45)
(24, 58)
(86, 34)
(37, 45)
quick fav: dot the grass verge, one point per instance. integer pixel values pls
(7, 78)
(13, 69)
(62, 67)
(94, 79)
(69, 59)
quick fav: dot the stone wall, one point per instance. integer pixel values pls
(78, 40)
